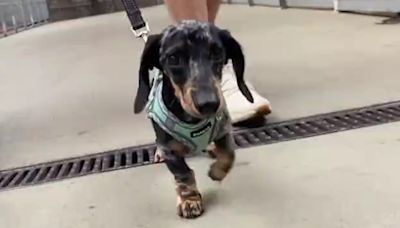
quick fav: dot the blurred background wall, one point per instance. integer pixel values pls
(18, 15)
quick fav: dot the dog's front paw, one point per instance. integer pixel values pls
(217, 172)
(211, 151)
(159, 156)
(190, 207)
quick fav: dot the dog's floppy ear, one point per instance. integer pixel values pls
(149, 59)
(234, 52)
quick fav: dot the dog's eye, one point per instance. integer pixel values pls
(173, 60)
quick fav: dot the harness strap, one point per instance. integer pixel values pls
(195, 136)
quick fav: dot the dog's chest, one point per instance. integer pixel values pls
(196, 137)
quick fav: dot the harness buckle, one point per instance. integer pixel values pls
(142, 32)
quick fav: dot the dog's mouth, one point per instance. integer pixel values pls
(194, 112)
(191, 109)
(200, 103)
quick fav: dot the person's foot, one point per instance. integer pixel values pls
(239, 108)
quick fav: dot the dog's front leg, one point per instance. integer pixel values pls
(189, 199)
(225, 156)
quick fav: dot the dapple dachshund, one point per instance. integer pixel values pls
(190, 57)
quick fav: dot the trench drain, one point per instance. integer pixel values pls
(144, 154)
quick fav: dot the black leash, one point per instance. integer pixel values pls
(139, 26)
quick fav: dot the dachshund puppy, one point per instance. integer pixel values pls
(185, 102)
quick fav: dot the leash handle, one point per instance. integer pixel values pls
(139, 26)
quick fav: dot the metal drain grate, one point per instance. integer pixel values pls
(75, 167)
(319, 125)
(144, 155)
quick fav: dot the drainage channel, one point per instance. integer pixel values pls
(144, 154)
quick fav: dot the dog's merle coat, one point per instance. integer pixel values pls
(191, 56)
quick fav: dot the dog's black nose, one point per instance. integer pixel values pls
(206, 102)
(208, 108)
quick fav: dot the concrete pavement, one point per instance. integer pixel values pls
(348, 179)
(66, 89)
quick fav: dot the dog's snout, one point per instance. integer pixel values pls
(206, 101)
(209, 108)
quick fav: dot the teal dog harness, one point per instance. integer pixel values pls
(195, 136)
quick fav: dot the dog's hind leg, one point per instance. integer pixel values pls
(189, 198)
(225, 157)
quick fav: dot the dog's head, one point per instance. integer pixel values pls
(191, 55)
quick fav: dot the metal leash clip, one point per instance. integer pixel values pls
(142, 32)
